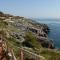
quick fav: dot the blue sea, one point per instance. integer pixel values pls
(54, 25)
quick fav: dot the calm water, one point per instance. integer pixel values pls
(55, 30)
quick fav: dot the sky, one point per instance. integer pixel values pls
(32, 8)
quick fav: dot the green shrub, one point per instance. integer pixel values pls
(31, 41)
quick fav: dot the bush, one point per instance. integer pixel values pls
(31, 41)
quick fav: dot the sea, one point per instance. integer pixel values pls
(54, 25)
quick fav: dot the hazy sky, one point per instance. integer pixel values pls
(32, 8)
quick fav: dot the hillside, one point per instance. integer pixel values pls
(19, 32)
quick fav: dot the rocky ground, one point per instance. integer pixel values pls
(23, 32)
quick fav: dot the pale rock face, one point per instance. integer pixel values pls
(10, 54)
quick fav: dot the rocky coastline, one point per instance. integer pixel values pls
(28, 25)
(24, 32)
